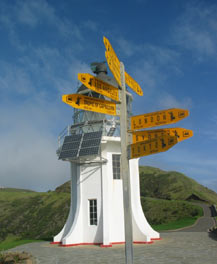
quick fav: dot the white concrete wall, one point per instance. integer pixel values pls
(73, 205)
(91, 189)
(95, 181)
(142, 231)
(114, 191)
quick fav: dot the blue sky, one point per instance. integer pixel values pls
(169, 47)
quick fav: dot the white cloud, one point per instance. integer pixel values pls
(32, 12)
(153, 64)
(196, 29)
(14, 79)
(158, 55)
(91, 25)
(28, 146)
(166, 100)
(128, 48)
(41, 71)
(147, 74)
(33, 115)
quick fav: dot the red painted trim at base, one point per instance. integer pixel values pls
(105, 246)
(143, 242)
(101, 245)
(134, 242)
(80, 244)
(118, 243)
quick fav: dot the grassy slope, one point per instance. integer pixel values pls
(159, 211)
(15, 190)
(30, 215)
(172, 185)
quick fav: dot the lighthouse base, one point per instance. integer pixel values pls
(96, 214)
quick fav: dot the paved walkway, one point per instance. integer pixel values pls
(192, 245)
(174, 248)
(203, 224)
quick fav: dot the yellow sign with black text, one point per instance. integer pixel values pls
(99, 86)
(114, 66)
(133, 84)
(90, 104)
(152, 146)
(159, 118)
(180, 133)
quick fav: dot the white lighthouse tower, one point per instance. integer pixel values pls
(93, 148)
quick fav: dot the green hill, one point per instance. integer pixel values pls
(172, 185)
(168, 185)
(160, 211)
(14, 190)
(164, 195)
(32, 215)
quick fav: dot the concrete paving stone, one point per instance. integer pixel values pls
(175, 247)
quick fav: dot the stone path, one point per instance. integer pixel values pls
(174, 248)
(203, 224)
(192, 245)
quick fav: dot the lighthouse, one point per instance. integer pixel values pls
(92, 146)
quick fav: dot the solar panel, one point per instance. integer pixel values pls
(89, 151)
(80, 145)
(68, 154)
(68, 146)
(90, 143)
(92, 135)
(72, 138)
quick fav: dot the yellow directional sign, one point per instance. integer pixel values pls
(159, 118)
(99, 86)
(114, 66)
(180, 133)
(133, 84)
(90, 104)
(152, 146)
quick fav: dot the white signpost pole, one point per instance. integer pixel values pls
(125, 172)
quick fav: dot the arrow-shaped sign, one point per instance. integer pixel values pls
(114, 66)
(180, 133)
(151, 146)
(159, 118)
(90, 104)
(99, 86)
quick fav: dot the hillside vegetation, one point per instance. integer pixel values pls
(172, 185)
(160, 211)
(32, 215)
(165, 198)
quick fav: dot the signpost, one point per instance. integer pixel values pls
(125, 173)
(180, 133)
(91, 104)
(142, 143)
(158, 118)
(99, 86)
(152, 146)
(114, 66)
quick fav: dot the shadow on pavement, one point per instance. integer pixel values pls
(213, 235)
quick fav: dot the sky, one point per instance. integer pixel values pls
(169, 47)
